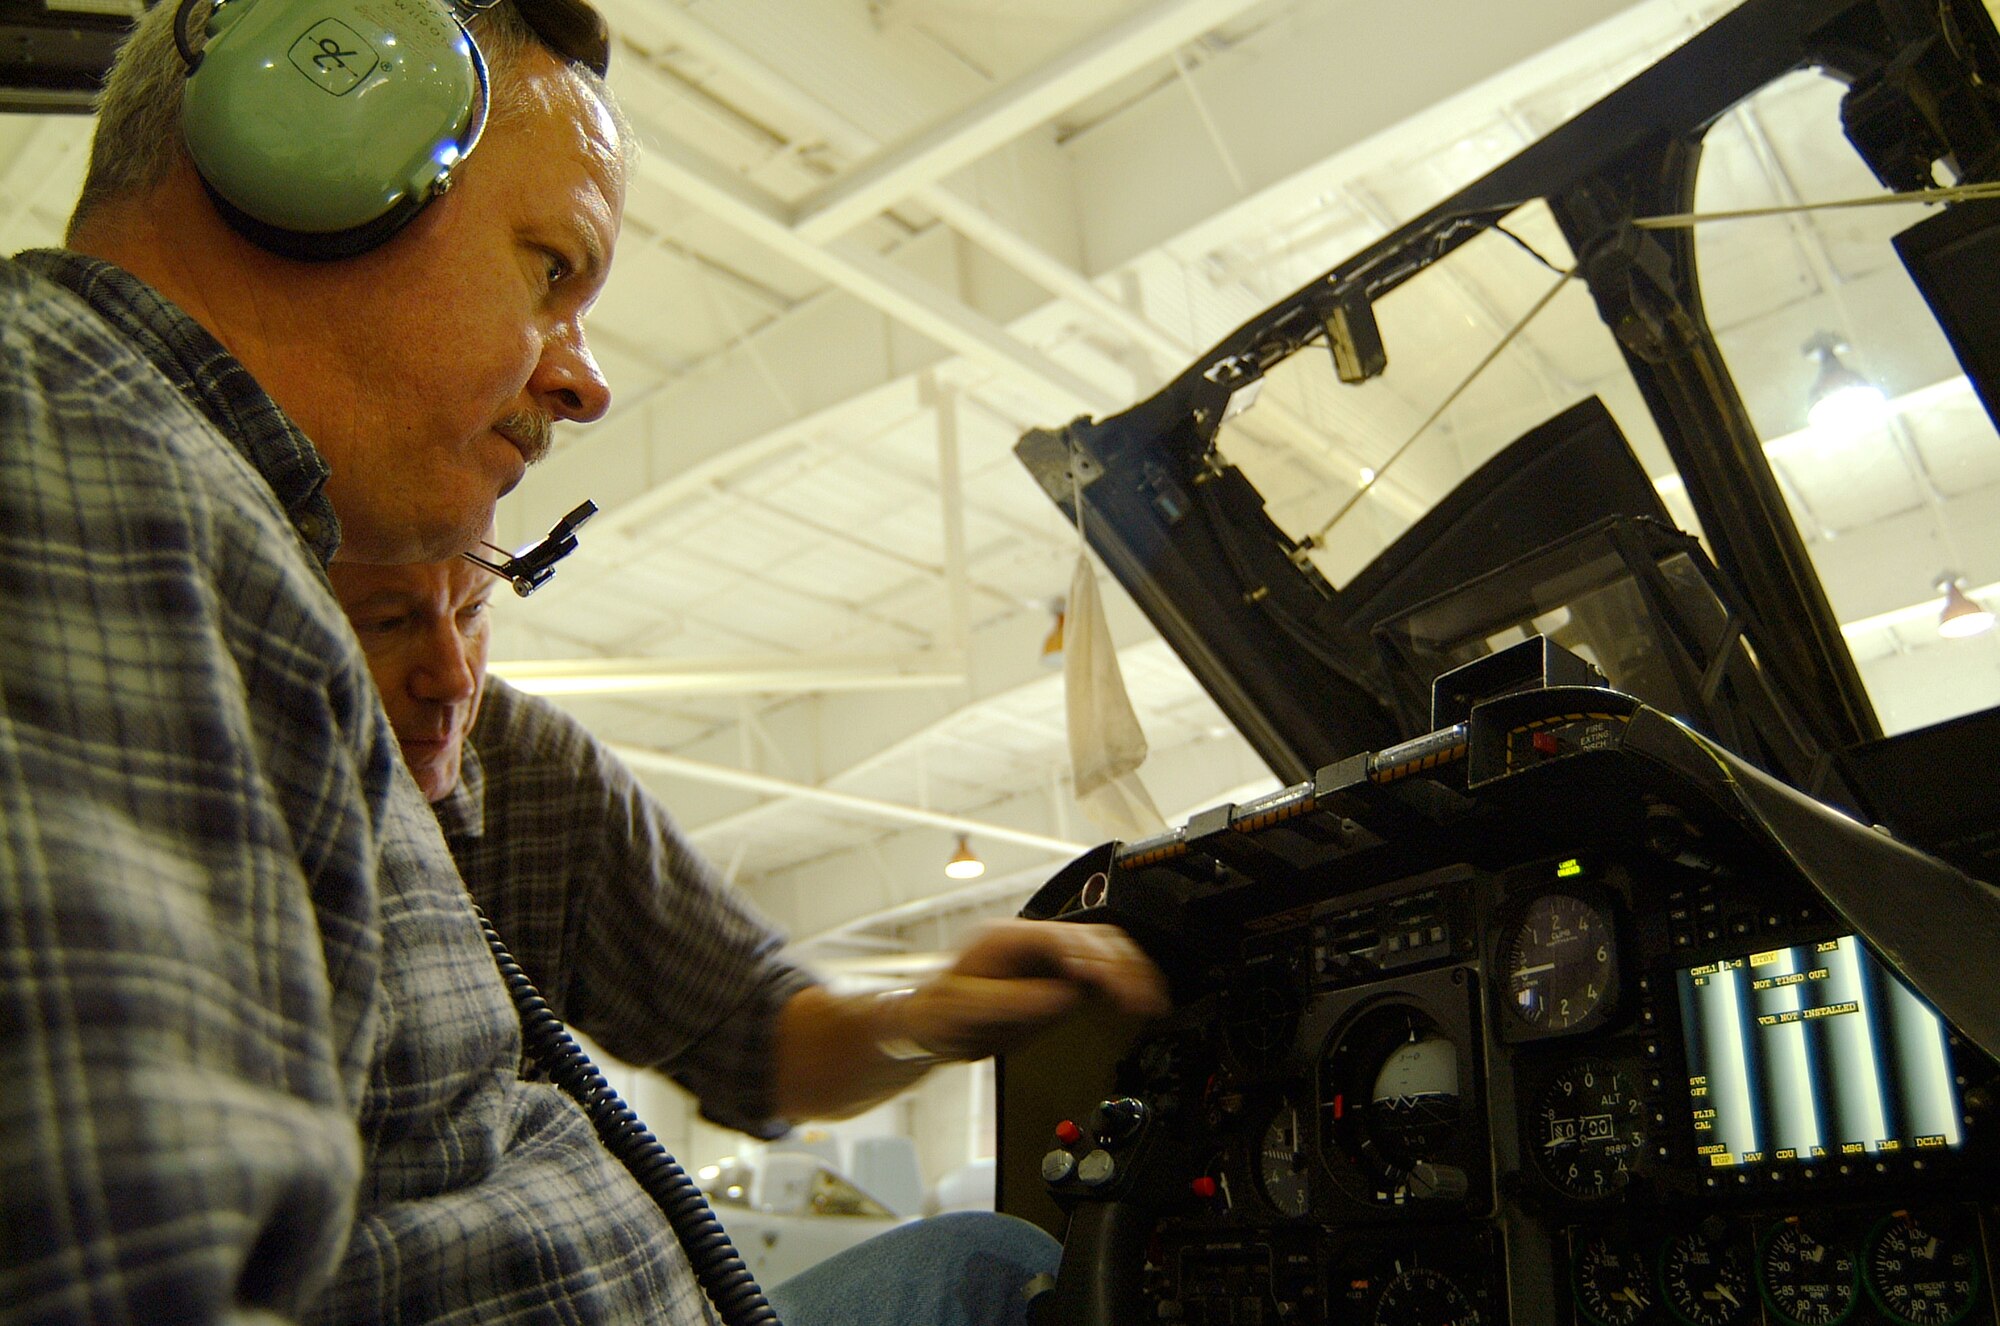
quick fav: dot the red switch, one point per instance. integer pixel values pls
(1068, 1133)
(1545, 743)
(1204, 1187)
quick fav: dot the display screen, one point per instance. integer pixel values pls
(1812, 1052)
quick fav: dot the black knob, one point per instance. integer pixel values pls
(1430, 1182)
(1116, 1120)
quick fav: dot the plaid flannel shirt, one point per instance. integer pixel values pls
(257, 1061)
(569, 855)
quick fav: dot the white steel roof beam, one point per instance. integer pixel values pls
(951, 513)
(824, 892)
(986, 893)
(704, 42)
(733, 674)
(861, 742)
(967, 218)
(874, 279)
(1005, 115)
(1308, 101)
(676, 766)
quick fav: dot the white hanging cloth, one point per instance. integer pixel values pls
(1106, 746)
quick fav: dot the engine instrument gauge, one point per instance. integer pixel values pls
(1921, 1272)
(1706, 1282)
(1284, 1161)
(1807, 1281)
(1589, 1129)
(1561, 965)
(1612, 1284)
(1420, 1296)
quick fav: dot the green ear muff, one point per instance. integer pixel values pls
(321, 127)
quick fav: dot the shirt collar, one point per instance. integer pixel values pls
(212, 379)
(461, 812)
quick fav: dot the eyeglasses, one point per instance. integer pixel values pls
(571, 28)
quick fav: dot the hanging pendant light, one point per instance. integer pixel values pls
(964, 864)
(1840, 397)
(1962, 615)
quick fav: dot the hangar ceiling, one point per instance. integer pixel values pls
(871, 241)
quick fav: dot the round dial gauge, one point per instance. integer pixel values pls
(1590, 1129)
(1706, 1282)
(1807, 1282)
(1611, 1282)
(1559, 962)
(1392, 1104)
(1283, 1161)
(1921, 1273)
(1421, 1296)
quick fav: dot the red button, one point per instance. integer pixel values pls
(1068, 1133)
(1545, 743)
(1203, 1186)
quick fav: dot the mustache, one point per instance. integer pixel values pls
(530, 430)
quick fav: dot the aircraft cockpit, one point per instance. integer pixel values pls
(1605, 958)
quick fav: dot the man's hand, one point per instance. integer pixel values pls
(1014, 979)
(1018, 977)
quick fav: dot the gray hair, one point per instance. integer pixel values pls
(138, 138)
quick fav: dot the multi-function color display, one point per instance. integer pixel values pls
(1813, 1052)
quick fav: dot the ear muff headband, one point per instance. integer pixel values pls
(321, 127)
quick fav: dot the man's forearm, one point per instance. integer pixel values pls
(831, 1063)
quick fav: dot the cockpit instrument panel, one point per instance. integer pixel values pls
(1463, 1049)
(1577, 978)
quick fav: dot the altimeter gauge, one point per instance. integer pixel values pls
(1589, 1129)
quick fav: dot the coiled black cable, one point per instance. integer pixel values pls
(717, 1266)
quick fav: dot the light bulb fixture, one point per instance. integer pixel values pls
(1962, 615)
(1840, 397)
(964, 864)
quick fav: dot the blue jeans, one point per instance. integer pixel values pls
(969, 1268)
